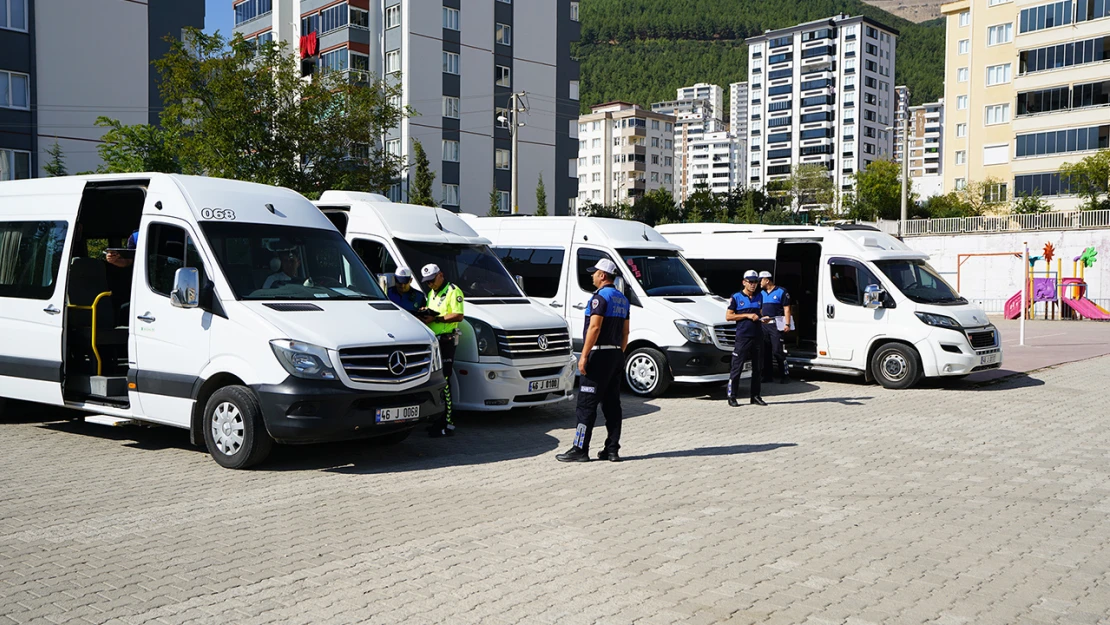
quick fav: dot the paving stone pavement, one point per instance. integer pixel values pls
(839, 503)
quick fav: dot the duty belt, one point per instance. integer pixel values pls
(601, 347)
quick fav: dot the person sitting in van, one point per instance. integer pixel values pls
(403, 294)
(289, 270)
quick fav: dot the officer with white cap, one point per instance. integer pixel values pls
(443, 315)
(776, 309)
(745, 309)
(403, 294)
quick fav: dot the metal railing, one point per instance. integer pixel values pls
(1058, 220)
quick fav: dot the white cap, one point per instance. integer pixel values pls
(605, 265)
(429, 272)
(751, 275)
(403, 273)
(766, 274)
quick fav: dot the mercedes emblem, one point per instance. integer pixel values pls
(541, 342)
(398, 362)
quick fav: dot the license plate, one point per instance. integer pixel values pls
(543, 385)
(990, 359)
(391, 415)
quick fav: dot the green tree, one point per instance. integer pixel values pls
(878, 192)
(654, 207)
(701, 206)
(56, 166)
(421, 191)
(1090, 178)
(541, 198)
(983, 196)
(233, 110)
(1031, 204)
(494, 202)
(947, 205)
(811, 184)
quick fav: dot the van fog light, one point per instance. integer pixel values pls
(948, 368)
(492, 375)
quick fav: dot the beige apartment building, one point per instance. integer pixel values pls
(1026, 90)
(623, 152)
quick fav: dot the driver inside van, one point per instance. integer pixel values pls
(290, 265)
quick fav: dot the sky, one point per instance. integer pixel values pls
(218, 16)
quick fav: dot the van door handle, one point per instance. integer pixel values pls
(579, 307)
(50, 310)
(149, 318)
(555, 305)
(830, 311)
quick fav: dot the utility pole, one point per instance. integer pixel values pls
(514, 131)
(905, 171)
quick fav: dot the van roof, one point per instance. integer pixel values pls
(371, 213)
(616, 233)
(867, 243)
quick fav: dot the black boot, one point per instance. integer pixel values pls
(758, 401)
(610, 455)
(574, 454)
(732, 402)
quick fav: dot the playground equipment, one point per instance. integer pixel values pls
(1069, 294)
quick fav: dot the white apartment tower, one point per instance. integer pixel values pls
(738, 109)
(624, 151)
(716, 161)
(821, 93)
(694, 119)
(458, 64)
(710, 93)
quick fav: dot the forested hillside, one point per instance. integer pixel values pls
(642, 50)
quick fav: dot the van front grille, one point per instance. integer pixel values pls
(724, 334)
(393, 364)
(517, 344)
(982, 340)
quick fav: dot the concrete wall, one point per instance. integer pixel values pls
(993, 279)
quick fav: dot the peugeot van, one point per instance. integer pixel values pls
(863, 302)
(230, 309)
(512, 353)
(677, 325)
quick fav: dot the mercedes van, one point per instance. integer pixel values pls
(230, 309)
(512, 352)
(863, 302)
(676, 323)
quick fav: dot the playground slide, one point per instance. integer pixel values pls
(1084, 307)
(1013, 306)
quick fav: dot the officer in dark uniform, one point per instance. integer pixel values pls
(605, 339)
(745, 309)
(776, 305)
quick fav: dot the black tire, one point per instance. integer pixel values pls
(647, 373)
(895, 366)
(393, 438)
(245, 443)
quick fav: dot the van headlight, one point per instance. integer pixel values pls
(303, 360)
(693, 331)
(939, 321)
(484, 336)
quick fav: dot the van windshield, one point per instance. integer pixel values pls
(473, 268)
(919, 282)
(662, 272)
(265, 262)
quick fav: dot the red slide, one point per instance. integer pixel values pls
(1085, 308)
(1013, 306)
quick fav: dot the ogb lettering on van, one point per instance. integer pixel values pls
(225, 214)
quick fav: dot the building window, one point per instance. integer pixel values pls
(998, 74)
(1047, 16)
(450, 151)
(574, 90)
(961, 130)
(360, 18)
(393, 146)
(450, 194)
(965, 18)
(14, 14)
(450, 62)
(450, 18)
(1002, 33)
(502, 76)
(504, 198)
(14, 90)
(997, 114)
(502, 159)
(15, 165)
(393, 16)
(574, 11)
(504, 35)
(334, 61)
(334, 18)
(961, 184)
(961, 157)
(961, 102)
(996, 193)
(393, 62)
(501, 120)
(594, 160)
(965, 46)
(450, 107)
(962, 74)
(1063, 141)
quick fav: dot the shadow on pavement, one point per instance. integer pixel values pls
(719, 392)
(844, 401)
(1009, 380)
(728, 450)
(148, 438)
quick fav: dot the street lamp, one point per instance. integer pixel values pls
(905, 190)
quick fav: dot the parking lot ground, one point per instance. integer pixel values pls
(840, 502)
(1047, 343)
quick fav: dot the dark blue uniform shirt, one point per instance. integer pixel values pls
(411, 300)
(612, 305)
(775, 301)
(742, 304)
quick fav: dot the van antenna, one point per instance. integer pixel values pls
(436, 212)
(644, 235)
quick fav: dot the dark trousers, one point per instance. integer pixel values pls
(600, 386)
(447, 349)
(773, 349)
(746, 349)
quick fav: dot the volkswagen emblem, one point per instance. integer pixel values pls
(541, 342)
(398, 362)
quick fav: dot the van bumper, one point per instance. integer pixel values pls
(696, 362)
(949, 353)
(314, 411)
(510, 385)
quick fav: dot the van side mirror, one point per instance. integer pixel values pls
(873, 296)
(519, 282)
(619, 284)
(186, 288)
(387, 281)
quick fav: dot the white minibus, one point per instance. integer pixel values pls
(676, 324)
(863, 302)
(231, 309)
(512, 352)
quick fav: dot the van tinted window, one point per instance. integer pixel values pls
(540, 268)
(169, 248)
(30, 255)
(588, 258)
(849, 281)
(726, 277)
(376, 257)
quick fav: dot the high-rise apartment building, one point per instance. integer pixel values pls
(458, 63)
(59, 72)
(738, 109)
(715, 161)
(926, 149)
(821, 93)
(694, 119)
(901, 115)
(713, 94)
(624, 151)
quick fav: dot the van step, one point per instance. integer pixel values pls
(106, 420)
(99, 385)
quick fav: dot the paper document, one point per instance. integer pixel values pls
(780, 323)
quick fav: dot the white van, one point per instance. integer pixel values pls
(863, 302)
(676, 323)
(241, 314)
(512, 352)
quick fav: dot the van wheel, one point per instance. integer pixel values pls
(391, 439)
(895, 365)
(233, 428)
(647, 373)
